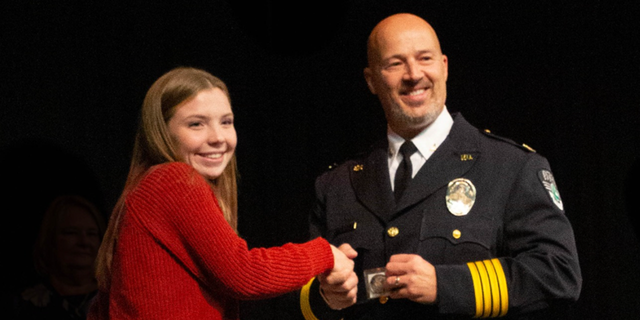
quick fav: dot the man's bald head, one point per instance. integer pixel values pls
(391, 26)
(408, 72)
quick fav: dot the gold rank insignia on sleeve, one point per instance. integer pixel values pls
(358, 167)
(490, 287)
(305, 305)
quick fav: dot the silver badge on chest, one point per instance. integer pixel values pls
(461, 195)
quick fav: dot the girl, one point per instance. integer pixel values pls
(171, 250)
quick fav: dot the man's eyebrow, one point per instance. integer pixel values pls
(400, 55)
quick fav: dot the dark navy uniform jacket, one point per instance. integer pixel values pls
(512, 253)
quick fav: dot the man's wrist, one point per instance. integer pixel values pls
(327, 300)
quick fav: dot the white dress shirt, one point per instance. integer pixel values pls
(426, 142)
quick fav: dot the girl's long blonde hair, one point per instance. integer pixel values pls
(153, 145)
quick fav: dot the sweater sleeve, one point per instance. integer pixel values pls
(178, 209)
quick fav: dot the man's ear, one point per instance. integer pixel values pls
(445, 61)
(368, 76)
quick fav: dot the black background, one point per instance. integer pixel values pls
(559, 76)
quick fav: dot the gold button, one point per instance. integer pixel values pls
(456, 234)
(393, 231)
(383, 299)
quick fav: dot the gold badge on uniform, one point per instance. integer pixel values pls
(461, 195)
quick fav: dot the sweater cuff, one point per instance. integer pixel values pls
(312, 304)
(323, 254)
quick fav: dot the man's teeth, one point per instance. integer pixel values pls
(416, 92)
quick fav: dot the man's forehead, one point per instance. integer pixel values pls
(401, 34)
(406, 43)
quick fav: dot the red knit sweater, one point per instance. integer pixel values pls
(178, 258)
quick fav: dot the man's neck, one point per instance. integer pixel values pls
(409, 132)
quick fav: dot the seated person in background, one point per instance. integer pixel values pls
(64, 255)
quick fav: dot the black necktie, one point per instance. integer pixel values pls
(403, 174)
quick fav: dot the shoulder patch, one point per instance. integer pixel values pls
(549, 183)
(523, 146)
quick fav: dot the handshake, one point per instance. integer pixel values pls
(339, 287)
(406, 276)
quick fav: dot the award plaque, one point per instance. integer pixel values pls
(374, 281)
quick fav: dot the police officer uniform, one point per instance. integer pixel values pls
(502, 247)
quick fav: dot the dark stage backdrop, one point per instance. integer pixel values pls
(559, 76)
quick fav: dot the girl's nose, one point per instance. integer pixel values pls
(216, 136)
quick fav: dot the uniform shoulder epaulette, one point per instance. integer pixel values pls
(523, 146)
(339, 163)
(332, 166)
(356, 157)
(336, 164)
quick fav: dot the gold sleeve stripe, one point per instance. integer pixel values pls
(486, 289)
(490, 288)
(477, 288)
(504, 292)
(495, 289)
(305, 305)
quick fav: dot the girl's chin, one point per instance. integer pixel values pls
(210, 175)
(209, 172)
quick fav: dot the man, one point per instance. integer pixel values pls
(479, 230)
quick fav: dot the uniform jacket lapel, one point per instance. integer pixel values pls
(455, 156)
(371, 182)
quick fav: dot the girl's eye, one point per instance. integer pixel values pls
(195, 124)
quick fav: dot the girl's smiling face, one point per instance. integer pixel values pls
(203, 130)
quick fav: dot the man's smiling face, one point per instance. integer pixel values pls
(408, 73)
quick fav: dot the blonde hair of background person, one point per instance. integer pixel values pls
(43, 251)
(64, 256)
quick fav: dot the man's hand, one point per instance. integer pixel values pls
(411, 277)
(340, 286)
